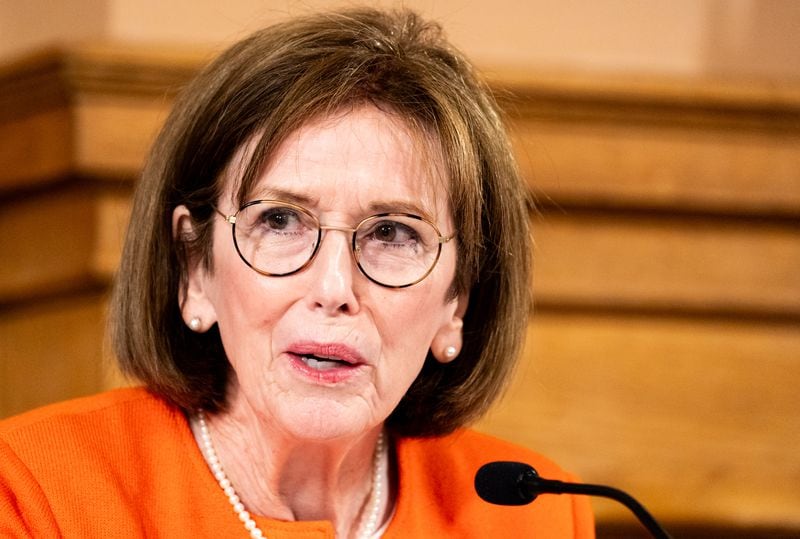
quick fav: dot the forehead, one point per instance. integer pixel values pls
(355, 160)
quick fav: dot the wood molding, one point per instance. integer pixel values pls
(651, 99)
(577, 136)
(53, 77)
(655, 263)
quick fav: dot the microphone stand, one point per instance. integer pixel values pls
(536, 485)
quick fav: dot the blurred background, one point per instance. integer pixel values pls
(660, 139)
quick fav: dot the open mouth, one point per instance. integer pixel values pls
(326, 362)
(323, 363)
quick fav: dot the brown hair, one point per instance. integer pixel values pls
(262, 89)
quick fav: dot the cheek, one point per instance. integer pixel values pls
(245, 302)
(407, 326)
(237, 289)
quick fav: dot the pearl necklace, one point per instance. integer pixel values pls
(369, 526)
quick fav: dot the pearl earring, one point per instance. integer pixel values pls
(450, 352)
(194, 324)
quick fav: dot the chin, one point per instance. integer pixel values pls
(320, 419)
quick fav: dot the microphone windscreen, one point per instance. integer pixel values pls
(501, 483)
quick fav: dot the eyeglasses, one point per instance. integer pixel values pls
(277, 238)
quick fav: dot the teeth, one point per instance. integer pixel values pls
(320, 364)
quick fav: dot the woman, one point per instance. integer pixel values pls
(325, 278)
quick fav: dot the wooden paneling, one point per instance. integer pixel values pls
(88, 110)
(665, 344)
(644, 142)
(60, 241)
(619, 163)
(679, 263)
(35, 149)
(51, 351)
(114, 133)
(698, 418)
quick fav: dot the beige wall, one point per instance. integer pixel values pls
(29, 24)
(739, 37)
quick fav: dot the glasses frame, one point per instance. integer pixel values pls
(354, 249)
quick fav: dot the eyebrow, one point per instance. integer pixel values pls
(285, 196)
(383, 206)
(398, 206)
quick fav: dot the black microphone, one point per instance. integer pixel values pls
(516, 483)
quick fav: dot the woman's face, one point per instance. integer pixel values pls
(279, 333)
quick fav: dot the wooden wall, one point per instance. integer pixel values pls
(664, 351)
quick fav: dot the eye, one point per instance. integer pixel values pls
(386, 231)
(392, 232)
(283, 219)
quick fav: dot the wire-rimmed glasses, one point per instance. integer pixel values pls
(278, 238)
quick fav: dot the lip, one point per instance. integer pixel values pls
(351, 362)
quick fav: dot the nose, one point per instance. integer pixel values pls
(332, 274)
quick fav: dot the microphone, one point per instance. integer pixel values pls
(516, 483)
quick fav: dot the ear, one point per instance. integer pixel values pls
(197, 309)
(447, 342)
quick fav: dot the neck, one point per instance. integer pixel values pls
(280, 476)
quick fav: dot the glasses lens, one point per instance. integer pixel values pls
(275, 238)
(396, 250)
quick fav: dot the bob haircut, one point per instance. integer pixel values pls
(258, 92)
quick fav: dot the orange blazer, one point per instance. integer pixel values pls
(125, 464)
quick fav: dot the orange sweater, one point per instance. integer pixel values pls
(125, 464)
